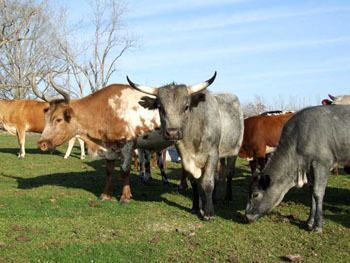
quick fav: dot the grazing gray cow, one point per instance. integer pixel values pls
(205, 127)
(312, 143)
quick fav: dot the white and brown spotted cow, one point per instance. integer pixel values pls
(112, 121)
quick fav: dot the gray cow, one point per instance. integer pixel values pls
(312, 143)
(206, 127)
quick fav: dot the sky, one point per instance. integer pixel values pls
(273, 48)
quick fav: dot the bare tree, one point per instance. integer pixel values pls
(260, 105)
(256, 107)
(107, 45)
(12, 23)
(36, 54)
(43, 47)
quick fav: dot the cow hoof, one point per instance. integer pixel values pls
(82, 158)
(195, 211)
(106, 197)
(124, 200)
(208, 218)
(317, 229)
(165, 182)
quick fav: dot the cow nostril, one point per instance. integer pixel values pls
(43, 146)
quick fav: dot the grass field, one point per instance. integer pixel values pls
(50, 212)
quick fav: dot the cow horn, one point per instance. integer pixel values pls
(38, 93)
(201, 86)
(331, 97)
(144, 89)
(59, 89)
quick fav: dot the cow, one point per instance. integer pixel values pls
(261, 136)
(204, 127)
(112, 121)
(20, 116)
(342, 99)
(313, 141)
(144, 158)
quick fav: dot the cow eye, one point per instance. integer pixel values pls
(58, 120)
(255, 195)
(46, 110)
(186, 108)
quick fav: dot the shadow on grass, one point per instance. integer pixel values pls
(94, 181)
(336, 200)
(15, 151)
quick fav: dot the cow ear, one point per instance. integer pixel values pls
(67, 114)
(264, 181)
(149, 103)
(196, 99)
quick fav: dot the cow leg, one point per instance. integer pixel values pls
(311, 219)
(195, 197)
(261, 162)
(145, 166)
(126, 152)
(82, 148)
(148, 157)
(319, 188)
(163, 152)
(231, 170)
(207, 184)
(21, 137)
(141, 163)
(183, 181)
(160, 163)
(253, 165)
(70, 147)
(108, 191)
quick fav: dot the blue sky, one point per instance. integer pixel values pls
(271, 48)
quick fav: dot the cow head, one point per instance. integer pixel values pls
(262, 198)
(174, 102)
(343, 99)
(60, 125)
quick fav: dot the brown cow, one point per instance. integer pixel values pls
(261, 136)
(112, 120)
(20, 116)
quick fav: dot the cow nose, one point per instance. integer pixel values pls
(173, 134)
(43, 145)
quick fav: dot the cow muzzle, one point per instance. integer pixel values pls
(173, 134)
(44, 145)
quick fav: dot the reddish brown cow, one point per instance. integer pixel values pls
(20, 116)
(110, 119)
(261, 136)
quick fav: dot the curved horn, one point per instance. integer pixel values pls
(144, 89)
(331, 97)
(201, 86)
(37, 92)
(59, 89)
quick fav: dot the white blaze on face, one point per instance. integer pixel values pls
(127, 107)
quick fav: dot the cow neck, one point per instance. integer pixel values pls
(282, 168)
(94, 116)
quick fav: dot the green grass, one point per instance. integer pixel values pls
(50, 212)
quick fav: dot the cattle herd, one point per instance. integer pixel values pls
(207, 130)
